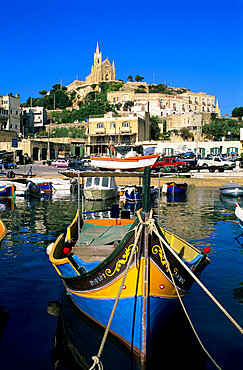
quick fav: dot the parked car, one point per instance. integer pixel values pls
(175, 163)
(60, 163)
(216, 162)
(5, 165)
(82, 165)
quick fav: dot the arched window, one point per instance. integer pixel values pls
(112, 125)
(125, 124)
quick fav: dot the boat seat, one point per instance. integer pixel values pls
(92, 235)
(93, 253)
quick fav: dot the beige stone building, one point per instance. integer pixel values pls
(120, 130)
(163, 105)
(101, 71)
(190, 120)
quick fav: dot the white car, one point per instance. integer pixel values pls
(60, 163)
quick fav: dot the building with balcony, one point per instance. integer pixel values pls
(40, 117)
(163, 105)
(120, 130)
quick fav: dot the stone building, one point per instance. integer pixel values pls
(190, 120)
(101, 71)
(120, 130)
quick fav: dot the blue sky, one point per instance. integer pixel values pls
(183, 43)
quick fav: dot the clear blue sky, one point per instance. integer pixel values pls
(184, 43)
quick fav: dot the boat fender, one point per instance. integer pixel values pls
(66, 250)
(49, 248)
(206, 250)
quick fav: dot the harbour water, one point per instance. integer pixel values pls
(31, 338)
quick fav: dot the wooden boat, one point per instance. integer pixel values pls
(134, 286)
(174, 188)
(3, 231)
(231, 188)
(45, 186)
(100, 188)
(134, 193)
(239, 214)
(7, 191)
(129, 163)
(127, 157)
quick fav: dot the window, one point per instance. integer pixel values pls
(97, 181)
(114, 100)
(125, 124)
(105, 182)
(113, 125)
(126, 139)
(100, 125)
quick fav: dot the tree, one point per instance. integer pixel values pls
(129, 78)
(43, 92)
(220, 127)
(139, 78)
(155, 130)
(185, 133)
(237, 112)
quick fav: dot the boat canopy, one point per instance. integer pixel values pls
(123, 150)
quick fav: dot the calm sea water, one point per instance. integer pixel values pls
(30, 338)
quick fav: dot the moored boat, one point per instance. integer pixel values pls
(239, 214)
(3, 231)
(232, 189)
(136, 285)
(176, 189)
(7, 191)
(100, 188)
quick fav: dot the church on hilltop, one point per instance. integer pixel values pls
(101, 71)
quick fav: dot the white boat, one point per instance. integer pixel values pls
(239, 214)
(100, 188)
(232, 189)
(127, 158)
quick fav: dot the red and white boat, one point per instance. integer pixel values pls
(126, 159)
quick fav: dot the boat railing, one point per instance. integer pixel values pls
(72, 229)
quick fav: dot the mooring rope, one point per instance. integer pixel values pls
(154, 229)
(185, 310)
(137, 229)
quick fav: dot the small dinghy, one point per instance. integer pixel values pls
(231, 188)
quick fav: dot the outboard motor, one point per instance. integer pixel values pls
(73, 185)
(31, 189)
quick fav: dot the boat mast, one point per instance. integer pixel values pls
(146, 189)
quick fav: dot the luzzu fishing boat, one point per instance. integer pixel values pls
(174, 188)
(133, 290)
(3, 231)
(7, 191)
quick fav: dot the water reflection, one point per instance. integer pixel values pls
(78, 338)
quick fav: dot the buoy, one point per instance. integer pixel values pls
(206, 250)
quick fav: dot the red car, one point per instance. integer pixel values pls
(171, 162)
